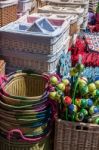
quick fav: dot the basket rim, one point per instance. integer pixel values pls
(77, 123)
(5, 83)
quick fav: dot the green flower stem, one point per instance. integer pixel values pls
(66, 114)
(75, 88)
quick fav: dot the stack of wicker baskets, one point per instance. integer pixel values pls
(74, 3)
(23, 48)
(8, 11)
(25, 110)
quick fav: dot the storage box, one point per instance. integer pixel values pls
(8, 11)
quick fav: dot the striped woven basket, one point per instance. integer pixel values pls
(14, 145)
(25, 108)
(22, 89)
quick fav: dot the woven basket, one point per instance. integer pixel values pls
(14, 145)
(24, 89)
(76, 136)
(23, 94)
(73, 28)
(41, 3)
(2, 67)
(7, 14)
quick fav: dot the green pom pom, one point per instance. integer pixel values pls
(84, 103)
(97, 121)
(84, 111)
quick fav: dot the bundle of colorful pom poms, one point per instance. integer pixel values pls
(77, 98)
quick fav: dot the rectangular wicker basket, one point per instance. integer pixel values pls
(76, 136)
(8, 12)
(73, 4)
(39, 63)
(34, 42)
(64, 10)
(2, 67)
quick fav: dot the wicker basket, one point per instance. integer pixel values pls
(72, 18)
(39, 63)
(2, 67)
(28, 41)
(64, 10)
(25, 95)
(24, 89)
(76, 136)
(69, 3)
(41, 3)
(8, 12)
(73, 28)
(14, 145)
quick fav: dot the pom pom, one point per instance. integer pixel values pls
(67, 101)
(78, 102)
(90, 102)
(54, 80)
(72, 108)
(93, 110)
(83, 103)
(84, 111)
(79, 116)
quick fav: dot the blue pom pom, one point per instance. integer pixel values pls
(90, 102)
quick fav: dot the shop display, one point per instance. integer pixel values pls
(49, 75)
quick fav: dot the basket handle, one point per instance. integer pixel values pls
(11, 132)
(54, 109)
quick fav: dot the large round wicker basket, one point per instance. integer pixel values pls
(14, 145)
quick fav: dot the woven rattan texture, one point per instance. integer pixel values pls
(9, 145)
(8, 14)
(76, 136)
